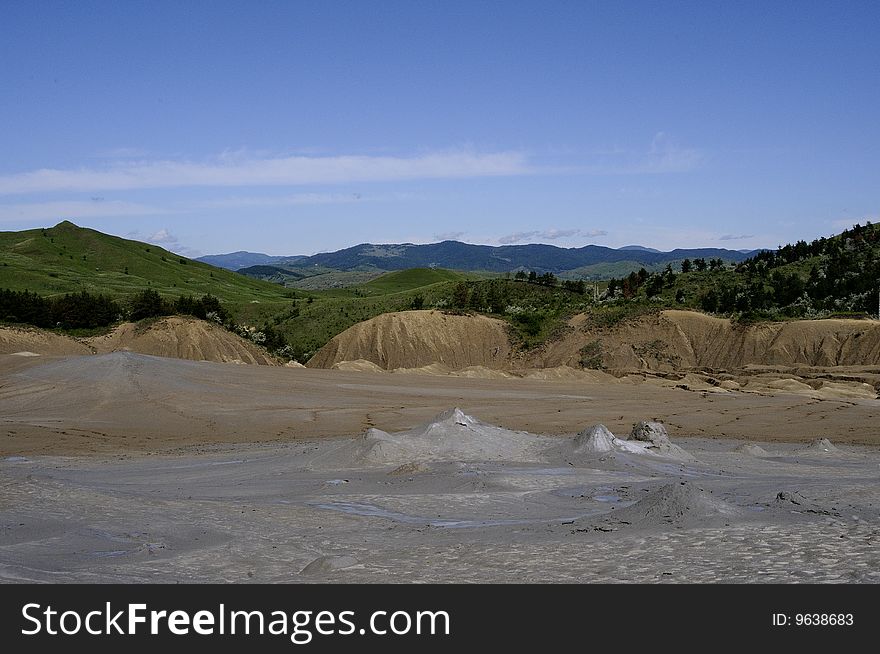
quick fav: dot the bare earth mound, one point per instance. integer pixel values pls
(174, 337)
(673, 340)
(831, 359)
(680, 503)
(750, 449)
(413, 339)
(450, 436)
(37, 341)
(182, 338)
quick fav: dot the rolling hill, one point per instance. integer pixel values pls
(407, 280)
(66, 259)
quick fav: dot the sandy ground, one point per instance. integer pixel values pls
(132, 468)
(124, 402)
(346, 510)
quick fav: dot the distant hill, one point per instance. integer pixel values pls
(455, 255)
(638, 247)
(67, 258)
(242, 259)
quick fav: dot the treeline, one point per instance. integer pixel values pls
(840, 274)
(837, 274)
(149, 304)
(87, 311)
(549, 279)
(843, 248)
(497, 295)
(73, 311)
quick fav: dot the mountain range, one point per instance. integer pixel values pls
(587, 261)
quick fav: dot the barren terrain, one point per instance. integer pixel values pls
(129, 467)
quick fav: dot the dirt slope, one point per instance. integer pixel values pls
(182, 338)
(175, 337)
(675, 340)
(14, 340)
(412, 339)
(668, 341)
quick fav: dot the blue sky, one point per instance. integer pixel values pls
(297, 127)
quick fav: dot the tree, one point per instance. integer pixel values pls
(613, 285)
(147, 304)
(477, 300)
(628, 290)
(686, 266)
(547, 279)
(700, 264)
(654, 286)
(460, 295)
(709, 302)
(495, 296)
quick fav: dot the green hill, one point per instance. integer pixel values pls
(66, 258)
(839, 275)
(407, 280)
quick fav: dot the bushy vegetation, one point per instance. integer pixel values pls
(71, 311)
(828, 276)
(149, 304)
(84, 310)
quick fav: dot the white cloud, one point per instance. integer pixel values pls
(162, 237)
(549, 235)
(231, 169)
(735, 237)
(449, 236)
(169, 241)
(517, 237)
(73, 210)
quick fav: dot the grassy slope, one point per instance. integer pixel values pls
(333, 311)
(407, 280)
(67, 258)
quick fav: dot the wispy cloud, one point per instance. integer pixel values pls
(735, 237)
(236, 170)
(168, 240)
(237, 202)
(549, 235)
(162, 237)
(74, 209)
(667, 156)
(449, 236)
(663, 156)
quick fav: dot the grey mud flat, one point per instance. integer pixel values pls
(134, 469)
(277, 514)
